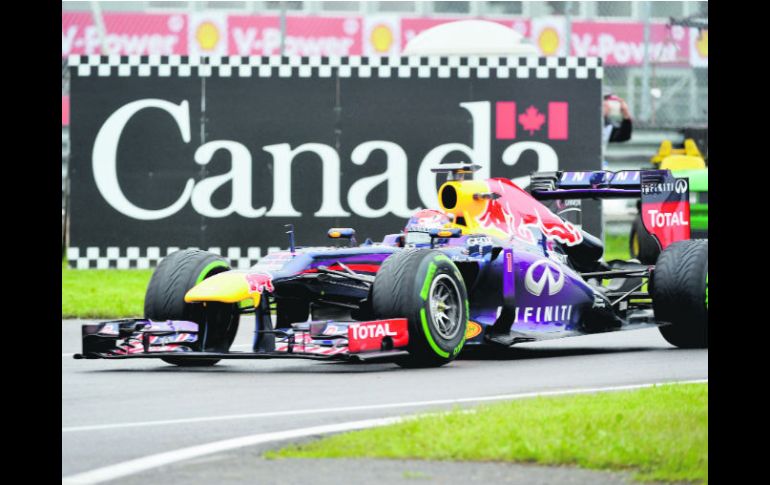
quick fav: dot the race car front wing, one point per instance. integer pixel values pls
(318, 340)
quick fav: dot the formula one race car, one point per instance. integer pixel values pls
(493, 267)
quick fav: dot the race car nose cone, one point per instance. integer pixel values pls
(227, 287)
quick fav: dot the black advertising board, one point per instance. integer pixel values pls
(221, 153)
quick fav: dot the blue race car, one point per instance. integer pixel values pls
(493, 265)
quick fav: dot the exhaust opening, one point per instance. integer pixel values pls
(448, 197)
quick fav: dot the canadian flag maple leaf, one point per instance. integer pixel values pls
(531, 120)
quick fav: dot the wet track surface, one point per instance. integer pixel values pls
(114, 411)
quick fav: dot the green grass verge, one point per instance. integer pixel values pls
(115, 293)
(659, 433)
(616, 247)
(103, 293)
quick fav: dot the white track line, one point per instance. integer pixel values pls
(371, 407)
(131, 467)
(68, 355)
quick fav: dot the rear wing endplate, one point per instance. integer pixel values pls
(665, 199)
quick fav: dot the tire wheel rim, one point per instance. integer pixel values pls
(635, 246)
(445, 308)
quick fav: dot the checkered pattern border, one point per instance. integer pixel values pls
(336, 66)
(133, 257)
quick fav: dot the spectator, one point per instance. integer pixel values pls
(617, 121)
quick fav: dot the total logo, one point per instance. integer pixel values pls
(667, 219)
(551, 276)
(361, 332)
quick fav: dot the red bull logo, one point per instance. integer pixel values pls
(515, 212)
(260, 282)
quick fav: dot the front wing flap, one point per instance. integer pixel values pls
(133, 336)
(321, 340)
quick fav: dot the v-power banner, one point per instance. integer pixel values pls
(221, 153)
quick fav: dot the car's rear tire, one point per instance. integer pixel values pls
(164, 300)
(641, 244)
(425, 287)
(680, 293)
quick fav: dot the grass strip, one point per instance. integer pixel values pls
(659, 433)
(103, 293)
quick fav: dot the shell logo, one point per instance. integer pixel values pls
(549, 41)
(381, 38)
(702, 44)
(207, 35)
(472, 330)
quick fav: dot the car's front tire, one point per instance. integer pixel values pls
(425, 287)
(176, 274)
(680, 293)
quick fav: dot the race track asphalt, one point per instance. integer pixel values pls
(114, 411)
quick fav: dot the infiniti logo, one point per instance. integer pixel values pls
(551, 275)
(681, 186)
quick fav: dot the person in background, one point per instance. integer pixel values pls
(617, 121)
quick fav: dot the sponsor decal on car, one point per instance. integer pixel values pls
(666, 219)
(361, 332)
(472, 330)
(679, 187)
(516, 214)
(543, 314)
(367, 336)
(551, 276)
(259, 282)
(665, 207)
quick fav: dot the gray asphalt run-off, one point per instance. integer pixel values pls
(234, 468)
(96, 392)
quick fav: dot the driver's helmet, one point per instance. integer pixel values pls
(422, 222)
(426, 219)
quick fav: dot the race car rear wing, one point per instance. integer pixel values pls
(665, 199)
(600, 184)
